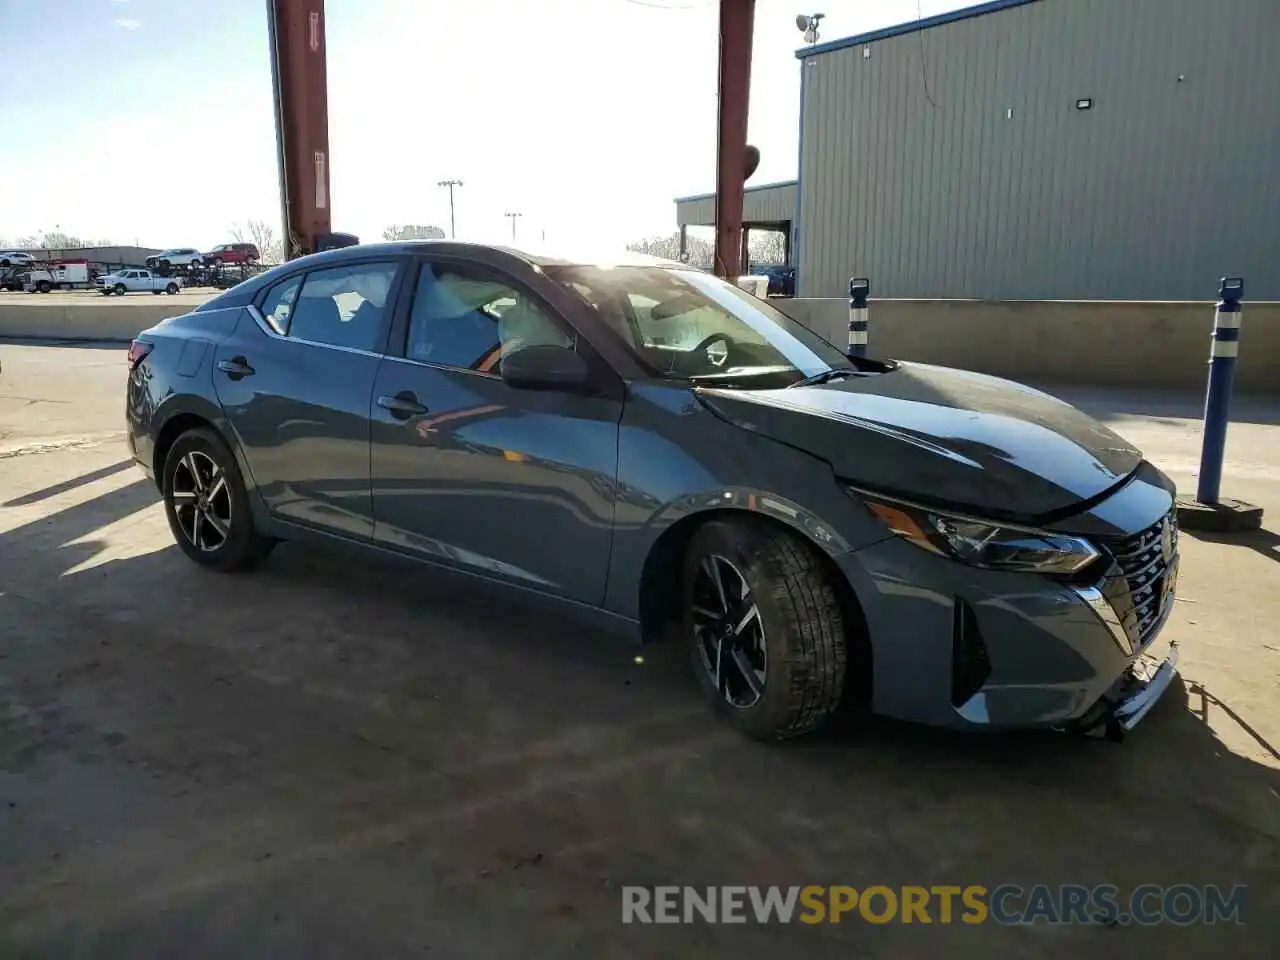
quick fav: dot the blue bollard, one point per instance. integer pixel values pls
(1224, 347)
(859, 290)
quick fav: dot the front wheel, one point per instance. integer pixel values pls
(764, 627)
(207, 505)
(120, 289)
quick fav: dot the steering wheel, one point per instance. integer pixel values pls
(717, 358)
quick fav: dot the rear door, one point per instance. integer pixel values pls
(295, 380)
(513, 484)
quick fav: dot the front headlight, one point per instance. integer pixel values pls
(982, 543)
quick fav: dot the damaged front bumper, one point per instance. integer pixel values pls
(1123, 706)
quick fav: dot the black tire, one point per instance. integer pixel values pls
(120, 289)
(240, 547)
(44, 286)
(799, 617)
(171, 289)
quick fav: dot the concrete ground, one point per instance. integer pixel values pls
(328, 758)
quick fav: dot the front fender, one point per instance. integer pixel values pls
(678, 460)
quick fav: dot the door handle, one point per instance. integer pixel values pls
(236, 367)
(403, 405)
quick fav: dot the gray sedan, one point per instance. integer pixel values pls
(654, 450)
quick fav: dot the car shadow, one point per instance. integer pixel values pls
(345, 740)
(65, 485)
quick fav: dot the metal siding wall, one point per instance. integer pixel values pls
(1151, 195)
(769, 204)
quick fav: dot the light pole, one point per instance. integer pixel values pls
(450, 184)
(513, 224)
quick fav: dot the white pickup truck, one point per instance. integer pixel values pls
(132, 280)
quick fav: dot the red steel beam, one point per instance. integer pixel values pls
(296, 28)
(737, 17)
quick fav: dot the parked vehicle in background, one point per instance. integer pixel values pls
(651, 446)
(12, 277)
(134, 280)
(232, 253)
(176, 257)
(58, 276)
(14, 258)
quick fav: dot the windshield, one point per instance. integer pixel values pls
(683, 324)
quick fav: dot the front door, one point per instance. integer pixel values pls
(508, 483)
(295, 380)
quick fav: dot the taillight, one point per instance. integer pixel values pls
(138, 351)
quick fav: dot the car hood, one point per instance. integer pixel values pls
(941, 436)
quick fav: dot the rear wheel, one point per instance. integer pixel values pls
(171, 289)
(764, 628)
(207, 505)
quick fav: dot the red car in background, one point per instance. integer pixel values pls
(231, 253)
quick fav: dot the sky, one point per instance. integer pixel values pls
(151, 121)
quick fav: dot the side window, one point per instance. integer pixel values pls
(470, 318)
(343, 306)
(279, 304)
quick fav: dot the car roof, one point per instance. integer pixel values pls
(601, 257)
(584, 256)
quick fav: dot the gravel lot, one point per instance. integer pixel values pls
(331, 757)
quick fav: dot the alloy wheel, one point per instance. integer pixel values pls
(729, 632)
(201, 501)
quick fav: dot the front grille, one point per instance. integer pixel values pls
(1146, 558)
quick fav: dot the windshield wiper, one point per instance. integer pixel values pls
(826, 376)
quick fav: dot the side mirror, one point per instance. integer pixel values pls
(546, 367)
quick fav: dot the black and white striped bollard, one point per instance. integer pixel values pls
(859, 290)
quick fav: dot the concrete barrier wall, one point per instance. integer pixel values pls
(1102, 343)
(88, 316)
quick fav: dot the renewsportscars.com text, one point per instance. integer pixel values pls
(1008, 904)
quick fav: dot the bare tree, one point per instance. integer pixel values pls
(263, 236)
(412, 231)
(58, 240)
(668, 247)
(767, 246)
